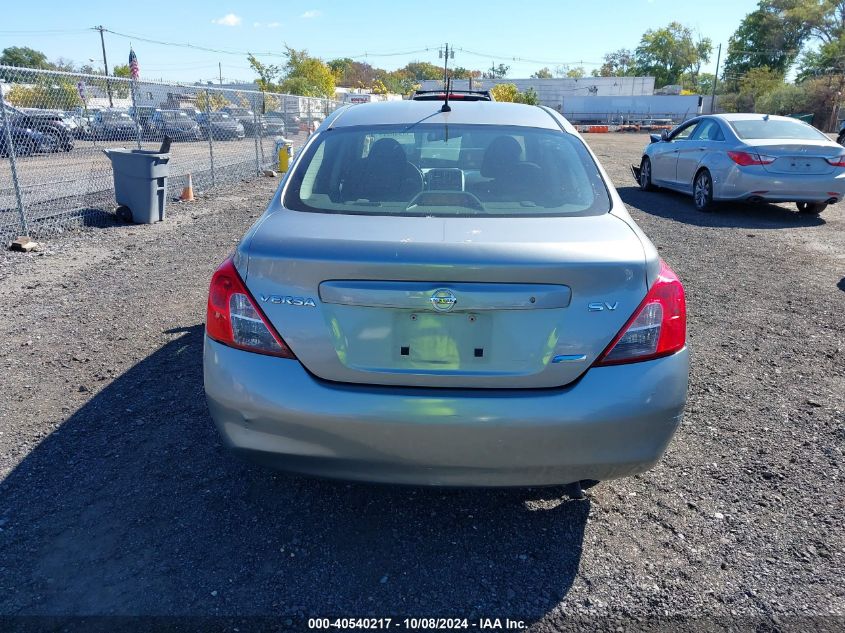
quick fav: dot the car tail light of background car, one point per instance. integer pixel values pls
(234, 319)
(744, 159)
(657, 328)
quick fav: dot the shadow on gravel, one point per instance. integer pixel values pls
(134, 507)
(676, 206)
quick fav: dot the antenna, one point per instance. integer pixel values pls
(446, 107)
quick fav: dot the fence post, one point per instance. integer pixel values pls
(14, 165)
(310, 120)
(261, 131)
(255, 132)
(135, 112)
(210, 135)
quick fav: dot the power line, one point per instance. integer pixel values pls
(207, 49)
(529, 61)
(43, 31)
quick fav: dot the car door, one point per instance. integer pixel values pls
(665, 158)
(692, 151)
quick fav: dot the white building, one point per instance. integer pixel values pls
(553, 91)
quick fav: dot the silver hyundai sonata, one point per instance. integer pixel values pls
(447, 297)
(746, 157)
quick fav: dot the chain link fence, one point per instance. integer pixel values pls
(55, 125)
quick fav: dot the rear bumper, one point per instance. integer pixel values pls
(614, 422)
(746, 183)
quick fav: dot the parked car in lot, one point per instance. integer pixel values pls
(50, 123)
(746, 157)
(143, 116)
(451, 298)
(220, 126)
(274, 124)
(176, 124)
(26, 141)
(253, 124)
(113, 125)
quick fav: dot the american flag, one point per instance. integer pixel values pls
(134, 69)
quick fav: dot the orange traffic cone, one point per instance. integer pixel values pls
(188, 192)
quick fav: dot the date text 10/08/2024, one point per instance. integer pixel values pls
(414, 624)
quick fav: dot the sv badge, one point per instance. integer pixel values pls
(600, 306)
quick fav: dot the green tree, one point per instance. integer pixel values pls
(668, 52)
(756, 83)
(785, 99)
(213, 100)
(497, 72)
(23, 56)
(529, 96)
(267, 74)
(701, 84)
(769, 36)
(577, 72)
(424, 70)
(300, 75)
(510, 93)
(308, 75)
(619, 63)
(543, 73)
(378, 88)
(47, 92)
(347, 72)
(464, 73)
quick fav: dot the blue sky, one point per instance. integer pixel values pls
(542, 30)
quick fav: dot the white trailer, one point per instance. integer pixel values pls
(630, 109)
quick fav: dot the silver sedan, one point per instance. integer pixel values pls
(746, 157)
(448, 297)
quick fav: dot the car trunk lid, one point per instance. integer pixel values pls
(798, 157)
(446, 302)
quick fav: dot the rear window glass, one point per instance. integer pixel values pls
(775, 129)
(454, 170)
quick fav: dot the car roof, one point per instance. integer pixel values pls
(748, 116)
(463, 112)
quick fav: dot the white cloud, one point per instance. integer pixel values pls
(273, 25)
(257, 25)
(230, 19)
(313, 13)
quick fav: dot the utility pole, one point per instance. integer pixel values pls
(445, 57)
(220, 72)
(105, 63)
(715, 81)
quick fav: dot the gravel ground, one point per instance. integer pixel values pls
(117, 497)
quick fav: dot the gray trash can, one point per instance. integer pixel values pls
(140, 182)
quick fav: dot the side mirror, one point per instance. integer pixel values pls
(664, 135)
(655, 138)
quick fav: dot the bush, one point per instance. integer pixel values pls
(787, 99)
(47, 93)
(504, 92)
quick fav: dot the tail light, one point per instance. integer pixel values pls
(837, 161)
(744, 159)
(234, 319)
(657, 328)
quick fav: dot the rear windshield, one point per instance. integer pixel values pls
(776, 129)
(454, 170)
(219, 116)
